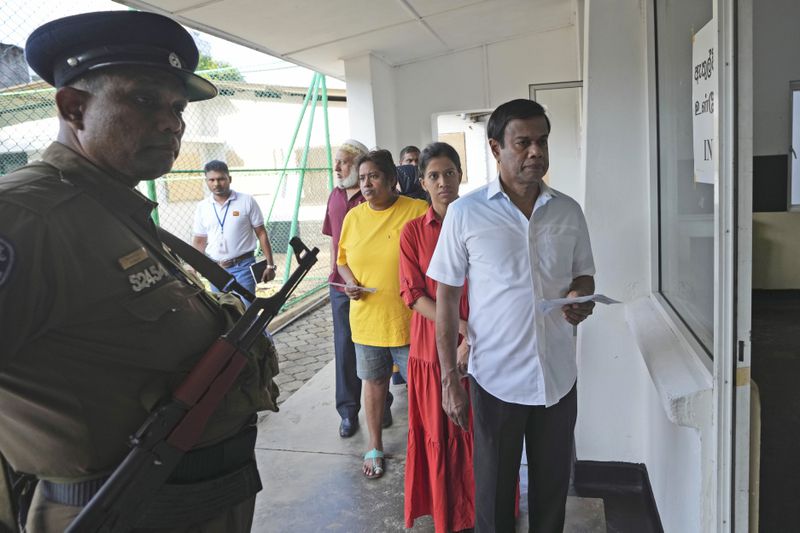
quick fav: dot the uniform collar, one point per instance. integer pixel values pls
(82, 173)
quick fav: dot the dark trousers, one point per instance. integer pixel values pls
(348, 385)
(500, 428)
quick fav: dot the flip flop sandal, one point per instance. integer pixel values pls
(376, 456)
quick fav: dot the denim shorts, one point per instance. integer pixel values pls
(375, 362)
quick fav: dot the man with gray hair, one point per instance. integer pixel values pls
(345, 196)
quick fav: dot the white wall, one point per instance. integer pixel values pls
(448, 83)
(616, 161)
(479, 78)
(776, 61)
(621, 414)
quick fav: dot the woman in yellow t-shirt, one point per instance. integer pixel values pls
(369, 258)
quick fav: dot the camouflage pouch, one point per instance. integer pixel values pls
(257, 380)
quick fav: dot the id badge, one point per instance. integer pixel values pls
(223, 247)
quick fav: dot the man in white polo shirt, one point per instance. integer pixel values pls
(227, 227)
(517, 242)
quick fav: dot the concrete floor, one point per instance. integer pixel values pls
(313, 482)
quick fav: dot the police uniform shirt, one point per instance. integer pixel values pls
(96, 328)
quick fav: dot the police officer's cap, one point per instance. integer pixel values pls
(64, 49)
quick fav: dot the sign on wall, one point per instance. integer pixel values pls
(704, 103)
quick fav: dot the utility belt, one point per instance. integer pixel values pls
(227, 263)
(206, 481)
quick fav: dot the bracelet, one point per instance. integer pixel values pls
(271, 267)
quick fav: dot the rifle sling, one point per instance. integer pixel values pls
(210, 270)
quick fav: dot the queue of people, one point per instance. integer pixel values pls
(485, 370)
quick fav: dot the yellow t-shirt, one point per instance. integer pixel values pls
(370, 246)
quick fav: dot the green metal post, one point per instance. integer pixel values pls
(151, 193)
(293, 231)
(291, 144)
(327, 131)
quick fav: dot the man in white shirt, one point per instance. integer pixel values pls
(227, 227)
(517, 242)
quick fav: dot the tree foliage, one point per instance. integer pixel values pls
(218, 70)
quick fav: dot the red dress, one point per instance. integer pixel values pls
(439, 478)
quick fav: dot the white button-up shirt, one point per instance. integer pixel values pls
(231, 222)
(519, 354)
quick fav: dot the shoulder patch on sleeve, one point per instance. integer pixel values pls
(6, 260)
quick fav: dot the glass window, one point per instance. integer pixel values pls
(686, 207)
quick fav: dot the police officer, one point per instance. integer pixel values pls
(98, 322)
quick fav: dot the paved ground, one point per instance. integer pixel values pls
(312, 478)
(304, 347)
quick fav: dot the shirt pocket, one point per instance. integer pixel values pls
(152, 305)
(556, 251)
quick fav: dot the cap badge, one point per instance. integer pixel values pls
(72, 61)
(174, 60)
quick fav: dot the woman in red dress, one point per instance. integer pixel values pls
(439, 478)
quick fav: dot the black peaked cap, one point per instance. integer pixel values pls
(62, 50)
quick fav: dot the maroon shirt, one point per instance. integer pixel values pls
(338, 206)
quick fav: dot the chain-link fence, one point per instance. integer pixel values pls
(274, 139)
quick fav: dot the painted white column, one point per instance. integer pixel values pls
(360, 107)
(371, 102)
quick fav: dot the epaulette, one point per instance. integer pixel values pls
(37, 187)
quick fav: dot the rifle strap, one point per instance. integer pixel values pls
(210, 270)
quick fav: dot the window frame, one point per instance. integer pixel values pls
(793, 156)
(677, 322)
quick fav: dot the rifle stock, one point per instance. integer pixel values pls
(175, 427)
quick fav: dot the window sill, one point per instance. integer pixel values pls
(681, 372)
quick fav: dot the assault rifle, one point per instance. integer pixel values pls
(174, 428)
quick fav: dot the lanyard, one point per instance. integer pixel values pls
(221, 222)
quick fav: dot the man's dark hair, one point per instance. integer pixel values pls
(216, 165)
(407, 149)
(515, 109)
(438, 149)
(383, 160)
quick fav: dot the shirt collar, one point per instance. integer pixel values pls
(82, 173)
(431, 219)
(495, 187)
(343, 192)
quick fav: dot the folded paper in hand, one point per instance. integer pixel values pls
(545, 306)
(344, 286)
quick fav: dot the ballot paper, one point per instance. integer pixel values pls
(344, 286)
(546, 306)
